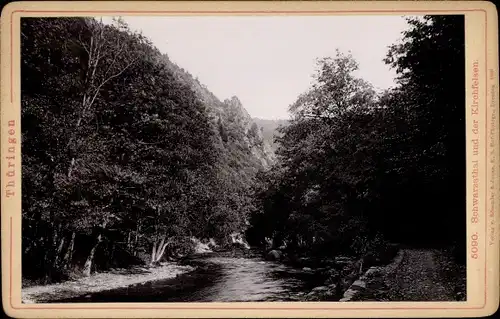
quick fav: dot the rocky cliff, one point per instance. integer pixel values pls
(239, 136)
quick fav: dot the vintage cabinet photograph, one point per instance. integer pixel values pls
(165, 154)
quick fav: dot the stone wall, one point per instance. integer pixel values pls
(360, 284)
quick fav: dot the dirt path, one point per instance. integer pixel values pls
(422, 275)
(419, 278)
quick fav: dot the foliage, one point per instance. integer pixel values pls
(357, 168)
(120, 151)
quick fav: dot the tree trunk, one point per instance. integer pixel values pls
(158, 250)
(161, 252)
(55, 235)
(47, 244)
(153, 254)
(87, 268)
(96, 53)
(161, 249)
(136, 241)
(129, 241)
(69, 253)
(58, 252)
(112, 253)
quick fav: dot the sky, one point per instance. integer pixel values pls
(268, 61)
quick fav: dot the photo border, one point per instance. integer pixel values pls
(481, 17)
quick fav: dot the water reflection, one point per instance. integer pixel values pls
(248, 280)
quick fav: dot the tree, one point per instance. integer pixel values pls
(335, 90)
(118, 146)
(431, 72)
(314, 193)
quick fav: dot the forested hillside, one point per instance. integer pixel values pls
(238, 131)
(126, 157)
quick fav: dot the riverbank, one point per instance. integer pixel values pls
(218, 277)
(323, 279)
(115, 278)
(342, 274)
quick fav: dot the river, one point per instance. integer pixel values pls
(219, 278)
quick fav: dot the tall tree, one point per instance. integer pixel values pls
(431, 74)
(116, 144)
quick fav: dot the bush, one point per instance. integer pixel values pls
(181, 247)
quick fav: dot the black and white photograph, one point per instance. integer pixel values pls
(243, 158)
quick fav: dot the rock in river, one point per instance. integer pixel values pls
(320, 289)
(274, 255)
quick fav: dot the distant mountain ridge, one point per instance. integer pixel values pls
(269, 129)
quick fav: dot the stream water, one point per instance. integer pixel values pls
(219, 278)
